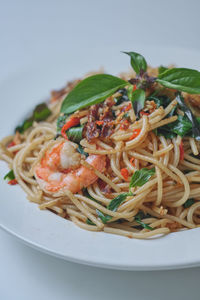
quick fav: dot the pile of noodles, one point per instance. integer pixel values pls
(161, 198)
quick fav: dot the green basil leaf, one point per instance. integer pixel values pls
(113, 206)
(138, 62)
(104, 218)
(190, 116)
(123, 97)
(9, 176)
(115, 203)
(86, 194)
(81, 151)
(61, 122)
(40, 113)
(75, 134)
(188, 203)
(143, 224)
(181, 79)
(138, 100)
(89, 222)
(162, 69)
(138, 218)
(91, 90)
(140, 177)
(160, 100)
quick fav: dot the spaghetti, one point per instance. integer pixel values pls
(139, 182)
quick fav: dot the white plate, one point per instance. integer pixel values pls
(46, 231)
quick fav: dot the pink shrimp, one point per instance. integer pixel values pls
(60, 169)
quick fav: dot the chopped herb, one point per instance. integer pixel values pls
(122, 98)
(140, 177)
(9, 176)
(89, 222)
(86, 194)
(40, 113)
(160, 100)
(188, 203)
(81, 151)
(113, 206)
(138, 218)
(143, 224)
(61, 122)
(190, 117)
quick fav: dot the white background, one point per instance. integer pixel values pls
(29, 30)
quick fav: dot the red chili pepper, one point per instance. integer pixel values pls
(181, 151)
(144, 113)
(99, 122)
(134, 87)
(136, 132)
(71, 123)
(128, 107)
(124, 173)
(13, 182)
(11, 144)
(132, 161)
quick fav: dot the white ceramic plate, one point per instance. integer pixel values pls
(46, 231)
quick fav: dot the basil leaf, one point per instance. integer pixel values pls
(9, 176)
(143, 224)
(113, 206)
(61, 122)
(141, 215)
(89, 222)
(160, 100)
(123, 98)
(75, 134)
(188, 203)
(91, 90)
(190, 116)
(86, 194)
(140, 177)
(40, 113)
(115, 203)
(104, 218)
(162, 69)
(138, 62)
(81, 151)
(138, 100)
(181, 79)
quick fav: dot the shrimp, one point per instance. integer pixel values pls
(60, 169)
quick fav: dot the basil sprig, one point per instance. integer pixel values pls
(138, 62)
(181, 79)
(189, 203)
(40, 113)
(9, 176)
(92, 90)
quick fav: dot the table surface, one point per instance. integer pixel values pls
(28, 29)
